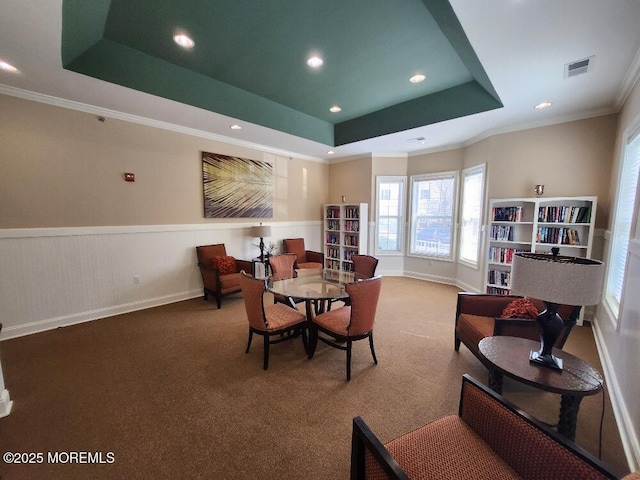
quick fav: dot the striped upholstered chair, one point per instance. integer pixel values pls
(489, 438)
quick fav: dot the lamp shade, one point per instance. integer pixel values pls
(261, 231)
(557, 279)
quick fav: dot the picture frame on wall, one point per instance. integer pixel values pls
(236, 187)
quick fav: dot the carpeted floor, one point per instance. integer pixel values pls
(171, 393)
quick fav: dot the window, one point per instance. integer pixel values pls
(621, 228)
(472, 201)
(390, 214)
(432, 214)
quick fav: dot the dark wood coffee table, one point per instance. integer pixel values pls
(510, 356)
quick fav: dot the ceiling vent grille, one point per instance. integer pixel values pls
(578, 67)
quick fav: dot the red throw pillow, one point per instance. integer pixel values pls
(520, 308)
(225, 265)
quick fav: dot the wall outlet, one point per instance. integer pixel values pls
(136, 279)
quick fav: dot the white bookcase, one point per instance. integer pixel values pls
(345, 233)
(535, 225)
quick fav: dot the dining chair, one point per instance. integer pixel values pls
(344, 325)
(271, 320)
(282, 268)
(364, 266)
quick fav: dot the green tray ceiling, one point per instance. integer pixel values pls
(249, 61)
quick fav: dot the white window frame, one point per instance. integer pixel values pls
(402, 181)
(625, 212)
(454, 175)
(466, 212)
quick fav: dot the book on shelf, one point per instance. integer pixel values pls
(332, 264)
(502, 232)
(333, 212)
(333, 225)
(507, 214)
(352, 212)
(332, 238)
(560, 235)
(352, 226)
(500, 277)
(564, 214)
(491, 290)
(351, 240)
(503, 254)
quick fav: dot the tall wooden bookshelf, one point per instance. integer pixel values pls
(345, 233)
(535, 225)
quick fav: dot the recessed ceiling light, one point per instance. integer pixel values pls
(7, 67)
(184, 41)
(315, 62)
(235, 127)
(542, 105)
(417, 78)
(330, 152)
(335, 109)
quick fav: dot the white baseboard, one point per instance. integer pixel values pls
(466, 287)
(81, 317)
(430, 278)
(5, 403)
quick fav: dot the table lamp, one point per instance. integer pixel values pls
(556, 280)
(261, 232)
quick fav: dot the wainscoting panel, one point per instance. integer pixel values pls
(61, 276)
(618, 342)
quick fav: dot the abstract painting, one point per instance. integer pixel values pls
(236, 187)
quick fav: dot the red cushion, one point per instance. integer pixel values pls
(225, 265)
(520, 308)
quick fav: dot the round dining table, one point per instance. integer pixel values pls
(314, 286)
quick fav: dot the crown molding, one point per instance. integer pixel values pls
(149, 122)
(628, 82)
(543, 123)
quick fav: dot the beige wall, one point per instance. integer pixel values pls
(351, 179)
(64, 168)
(570, 159)
(445, 161)
(389, 165)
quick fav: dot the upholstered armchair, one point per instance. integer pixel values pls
(480, 315)
(305, 258)
(220, 272)
(488, 438)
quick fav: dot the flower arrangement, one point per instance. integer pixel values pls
(269, 250)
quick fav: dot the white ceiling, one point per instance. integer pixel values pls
(522, 44)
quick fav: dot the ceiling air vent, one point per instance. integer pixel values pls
(576, 68)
